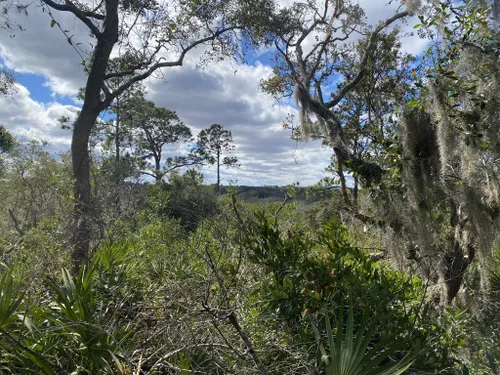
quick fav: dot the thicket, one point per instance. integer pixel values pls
(183, 281)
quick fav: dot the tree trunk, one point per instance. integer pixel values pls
(117, 131)
(355, 192)
(118, 175)
(158, 174)
(343, 184)
(92, 106)
(81, 172)
(218, 172)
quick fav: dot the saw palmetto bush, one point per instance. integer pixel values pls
(91, 342)
(22, 349)
(69, 332)
(10, 299)
(352, 352)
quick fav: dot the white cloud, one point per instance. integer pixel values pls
(28, 119)
(43, 50)
(229, 95)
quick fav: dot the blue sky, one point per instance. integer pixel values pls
(37, 87)
(49, 73)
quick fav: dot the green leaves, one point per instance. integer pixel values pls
(148, 129)
(214, 141)
(352, 353)
(7, 140)
(9, 300)
(78, 318)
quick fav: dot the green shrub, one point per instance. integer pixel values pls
(308, 271)
(185, 198)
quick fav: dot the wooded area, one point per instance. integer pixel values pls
(116, 259)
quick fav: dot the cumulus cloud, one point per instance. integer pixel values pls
(229, 95)
(43, 50)
(31, 120)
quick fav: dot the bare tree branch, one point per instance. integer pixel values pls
(178, 62)
(82, 15)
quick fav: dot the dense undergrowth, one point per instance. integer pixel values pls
(243, 289)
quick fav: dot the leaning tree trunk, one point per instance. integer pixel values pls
(92, 106)
(81, 171)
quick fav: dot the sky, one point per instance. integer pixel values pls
(49, 74)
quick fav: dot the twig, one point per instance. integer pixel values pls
(287, 198)
(236, 212)
(234, 322)
(228, 313)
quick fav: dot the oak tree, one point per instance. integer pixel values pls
(308, 62)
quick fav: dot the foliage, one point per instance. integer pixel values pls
(184, 197)
(305, 273)
(148, 129)
(78, 318)
(310, 73)
(177, 279)
(36, 187)
(178, 28)
(7, 82)
(444, 156)
(137, 304)
(352, 355)
(7, 141)
(211, 144)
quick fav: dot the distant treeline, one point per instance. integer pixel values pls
(277, 193)
(269, 193)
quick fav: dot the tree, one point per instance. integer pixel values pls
(307, 72)
(145, 33)
(7, 82)
(450, 146)
(7, 144)
(36, 187)
(149, 129)
(432, 169)
(7, 140)
(211, 144)
(114, 132)
(367, 110)
(184, 197)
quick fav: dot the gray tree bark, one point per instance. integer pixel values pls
(80, 156)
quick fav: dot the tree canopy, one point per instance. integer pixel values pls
(150, 36)
(211, 145)
(148, 129)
